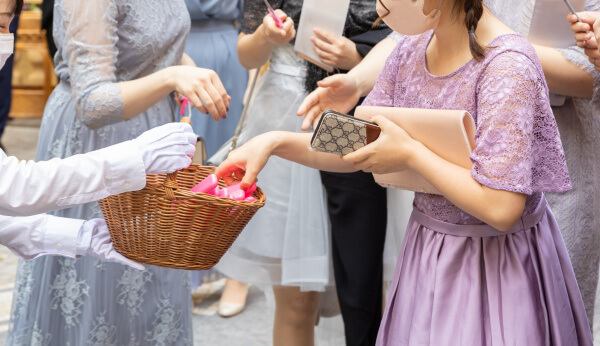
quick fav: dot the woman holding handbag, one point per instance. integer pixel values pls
(484, 263)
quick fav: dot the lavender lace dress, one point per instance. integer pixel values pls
(578, 121)
(71, 302)
(457, 280)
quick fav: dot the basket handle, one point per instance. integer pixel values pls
(170, 182)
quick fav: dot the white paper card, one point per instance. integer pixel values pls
(544, 22)
(328, 15)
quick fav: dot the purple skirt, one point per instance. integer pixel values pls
(475, 285)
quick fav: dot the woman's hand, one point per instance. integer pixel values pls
(186, 60)
(245, 162)
(587, 34)
(277, 35)
(336, 51)
(203, 87)
(391, 152)
(339, 92)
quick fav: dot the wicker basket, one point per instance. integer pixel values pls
(166, 225)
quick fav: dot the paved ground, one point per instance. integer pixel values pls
(251, 327)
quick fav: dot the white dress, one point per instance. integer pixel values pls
(287, 242)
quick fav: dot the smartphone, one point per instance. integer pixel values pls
(341, 134)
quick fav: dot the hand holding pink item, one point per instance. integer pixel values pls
(210, 185)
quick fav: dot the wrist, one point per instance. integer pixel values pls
(416, 153)
(355, 80)
(262, 38)
(276, 140)
(167, 77)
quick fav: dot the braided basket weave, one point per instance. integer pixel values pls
(166, 225)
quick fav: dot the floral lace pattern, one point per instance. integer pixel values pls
(100, 44)
(132, 289)
(579, 123)
(103, 333)
(68, 293)
(518, 146)
(166, 325)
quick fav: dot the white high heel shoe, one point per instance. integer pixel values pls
(229, 309)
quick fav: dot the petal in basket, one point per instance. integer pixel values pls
(167, 225)
(210, 185)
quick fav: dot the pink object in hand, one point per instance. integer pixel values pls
(238, 195)
(208, 185)
(250, 190)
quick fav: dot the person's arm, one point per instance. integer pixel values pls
(29, 188)
(341, 92)
(34, 236)
(248, 160)
(563, 76)
(507, 165)
(100, 99)
(255, 49)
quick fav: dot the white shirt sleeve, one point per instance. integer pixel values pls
(33, 236)
(29, 188)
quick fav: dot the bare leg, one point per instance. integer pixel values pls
(295, 316)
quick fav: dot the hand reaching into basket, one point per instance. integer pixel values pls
(94, 240)
(245, 162)
(167, 148)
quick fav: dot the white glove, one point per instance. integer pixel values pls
(167, 148)
(94, 240)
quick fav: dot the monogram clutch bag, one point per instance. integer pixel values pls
(448, 133)
(341, 134)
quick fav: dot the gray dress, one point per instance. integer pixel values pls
(62, 301)
(576, 210)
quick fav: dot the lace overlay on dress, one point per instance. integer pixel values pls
(517, 142)
(84, 301)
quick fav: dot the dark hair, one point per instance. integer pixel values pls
(473, 12)
(18, 7)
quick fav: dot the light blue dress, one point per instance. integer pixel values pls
(212, 44)
(62, 301)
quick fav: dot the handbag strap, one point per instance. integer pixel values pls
(239, 126)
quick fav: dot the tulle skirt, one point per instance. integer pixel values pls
(287, 242)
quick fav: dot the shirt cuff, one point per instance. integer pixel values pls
(127, 169)
(61, 235)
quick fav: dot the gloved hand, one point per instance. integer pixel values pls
(167, 148)
(94, 240)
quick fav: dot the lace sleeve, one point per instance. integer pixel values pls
(576, 56)
(383, 92)
(254, 12)
(518, 146)
(90, 45)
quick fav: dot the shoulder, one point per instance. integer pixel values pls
(512, 50)
(511, 56)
